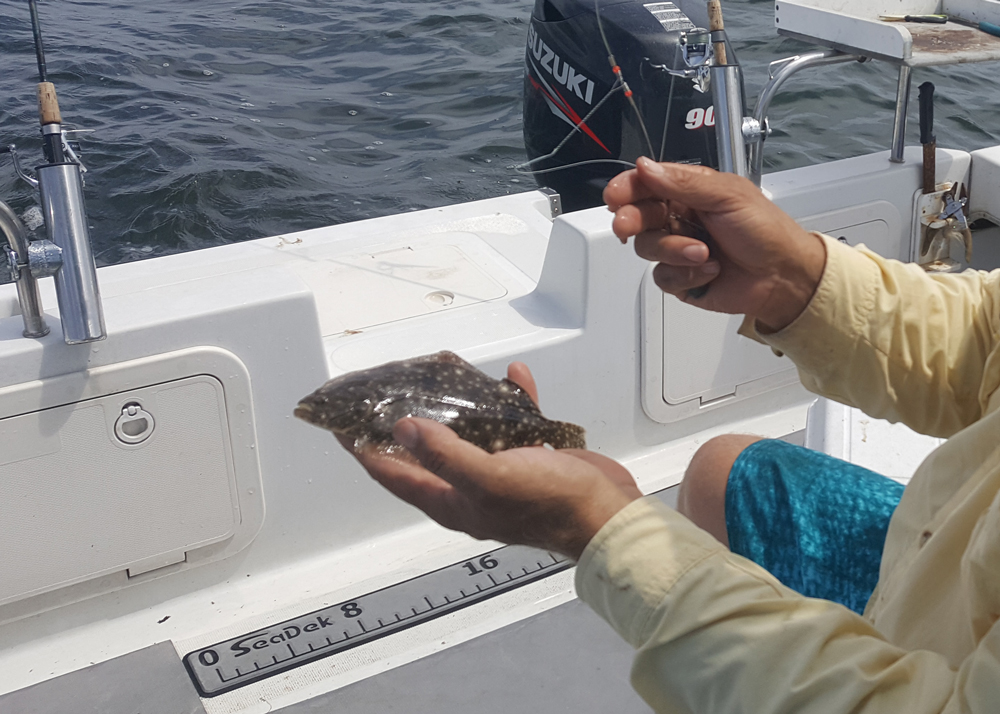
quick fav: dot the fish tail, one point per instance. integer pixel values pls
(567, 436)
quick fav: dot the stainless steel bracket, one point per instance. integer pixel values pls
(899, 120)
(555, 201)
(17, 258)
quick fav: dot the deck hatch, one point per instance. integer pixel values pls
(119, 506)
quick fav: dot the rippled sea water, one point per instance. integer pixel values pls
(218, 122)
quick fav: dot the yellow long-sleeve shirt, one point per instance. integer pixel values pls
(715, 633)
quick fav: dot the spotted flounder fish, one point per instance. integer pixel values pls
(492, 414)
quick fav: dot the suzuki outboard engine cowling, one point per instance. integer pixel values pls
(567, 76)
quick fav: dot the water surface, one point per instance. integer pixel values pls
(219, 122)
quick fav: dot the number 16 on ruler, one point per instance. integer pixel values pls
(487, 562)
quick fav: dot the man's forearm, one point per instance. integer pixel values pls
(895, 342)
(715, 633)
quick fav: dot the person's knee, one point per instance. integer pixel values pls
(715, 458)
(702, 495)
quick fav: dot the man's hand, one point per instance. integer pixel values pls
(762, 262)
(556, 500)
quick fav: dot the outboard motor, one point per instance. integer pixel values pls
(569, 82)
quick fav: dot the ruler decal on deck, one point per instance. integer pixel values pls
(278, 648)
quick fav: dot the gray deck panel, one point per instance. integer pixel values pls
(563, 660)
(148, 681)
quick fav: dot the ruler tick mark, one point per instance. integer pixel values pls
(521, 565)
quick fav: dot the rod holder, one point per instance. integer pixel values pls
(80, 310)
(727, 96)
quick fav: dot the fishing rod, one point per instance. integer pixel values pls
(48, 104)
(67, 254)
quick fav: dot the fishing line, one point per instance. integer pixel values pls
(670, 101)
(615, 87)
(620, 162)
(618, 72)
(620, 84)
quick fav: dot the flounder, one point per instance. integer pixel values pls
(492, 414)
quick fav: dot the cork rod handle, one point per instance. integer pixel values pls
(48, 105)
(714, 24)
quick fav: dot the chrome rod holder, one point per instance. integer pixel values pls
(80, 310)
(727, 96)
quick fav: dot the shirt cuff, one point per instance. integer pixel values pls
(635, 559)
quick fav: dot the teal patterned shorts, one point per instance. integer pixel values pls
(817, 523)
